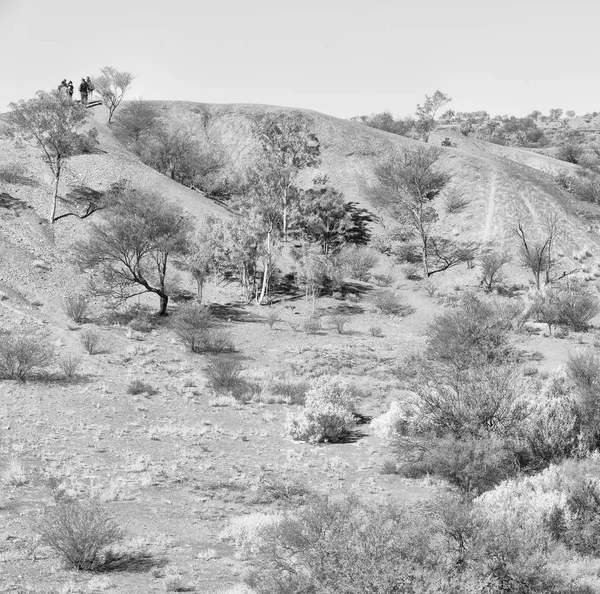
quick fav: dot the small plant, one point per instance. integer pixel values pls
(137, 387)
(455, 201)
(14, 474)
(272, 317)
(388, 303)
(312, 324)
(224, 373)
(90, 340)
(339, 322)
(430, 288)
(360, 261)
(76, 308)
(219, 342)
(69, 364)
(376, 331)
(81, 532)
(411, 272)
(175, 583)
(492, 264)
(20, 354)
(192, 323)
(388, 467)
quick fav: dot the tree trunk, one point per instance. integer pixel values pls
(55, 197)
(164, 301)
(266, 271)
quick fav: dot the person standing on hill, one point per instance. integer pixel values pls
(90, 86)
(83, 91)
(70, 89)
(63, 89)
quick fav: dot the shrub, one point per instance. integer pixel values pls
(571, 304)
(224, 373)
(15, 173)
(217, 341)
(360, 261)
(79, 531)
(272, 317)
(290, 390)
(388, 303)
(339, 322)
(192, 323)
(412, 272)
(455, 202)
(76, 308)
(137, 387)
(21, 354)
(473, 465)
(344, 546)
(69, 364)
(312, 324)
(476, 331)
(328, 413)
(491, 268)
(90, 340)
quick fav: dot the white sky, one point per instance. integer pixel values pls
(341, 57)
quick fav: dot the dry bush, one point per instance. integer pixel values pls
(90, 340)
(224, 374)
(491, 268)
(376, 331)
(191, 323)
(339, 322)
(312, 324)
(475, 331)
(21, 354)
(291, 391)
(388, 303)
(137, 387)
(569, 304)
(76, 308)
(360, 261)
(69, 364)
(80, 532)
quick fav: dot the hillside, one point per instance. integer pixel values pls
(190, 468)
(504, 185)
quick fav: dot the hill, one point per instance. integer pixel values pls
(191, 469)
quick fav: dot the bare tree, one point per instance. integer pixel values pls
(52, 123)
(130, 250)
(537, 254)
(112, 84)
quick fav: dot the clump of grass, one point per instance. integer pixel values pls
(14, 474)
(76, 307)
(137, 387)
(90, 340)
(69, 364)
(224, 374)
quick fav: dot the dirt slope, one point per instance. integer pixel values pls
(504, 185)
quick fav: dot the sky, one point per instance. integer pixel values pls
(340, 57)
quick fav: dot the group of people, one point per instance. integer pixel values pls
(86, 90)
